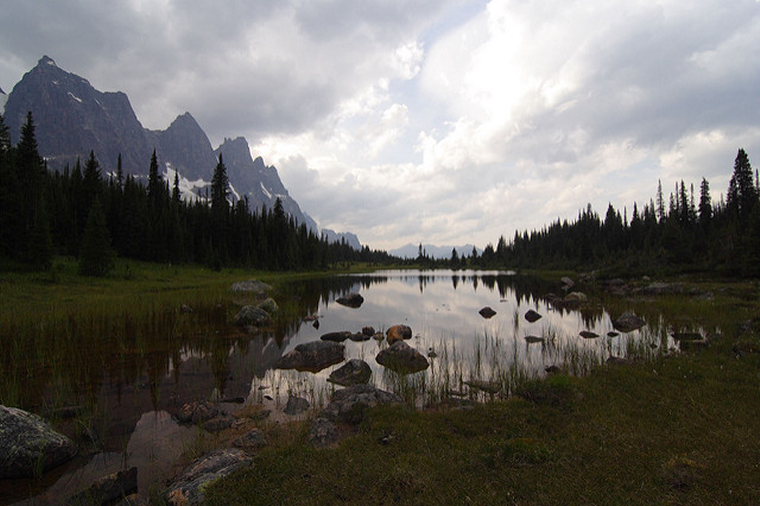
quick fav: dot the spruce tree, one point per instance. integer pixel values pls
(742, 194)
(705, 203)
(96, 256)
(154, 181)
(219, 183)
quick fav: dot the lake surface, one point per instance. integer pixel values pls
(131, 374)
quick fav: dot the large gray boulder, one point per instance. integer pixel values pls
(347, 405)
(29, 445)
(312, 356)
(353, 372)
(190, 486)
(402, 358)
(252, 316)
(253, 286)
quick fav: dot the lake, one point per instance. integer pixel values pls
(125, 376)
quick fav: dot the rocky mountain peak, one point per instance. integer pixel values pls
(46, 60)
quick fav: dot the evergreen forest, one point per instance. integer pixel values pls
(96, 216)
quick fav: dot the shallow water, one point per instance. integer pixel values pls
(129, 375)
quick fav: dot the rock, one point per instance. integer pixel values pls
(354, 372)
(269, 305)
(353, 300)
(219, 424)
(575, 297)
(628, 322)
(312, 356)
(29, 445)
(487, 312)
(190, 486)
(378, 336)
(251, 315)
(251, 286)
(359, 337)
(552, 369)
(108, 489)
(586, 334)
(368, 331)
(197, 412)
(252, 439)
(336, 337)
(534, 339)
(315, 324)
(432, 353)
(348, 405)
(402, 358)
(618, 361)
(490, 387)
(532, 316)
(296, 406)
(612, 334)
(184, 308)
(567, 282)
(323, 433)
(398, 333)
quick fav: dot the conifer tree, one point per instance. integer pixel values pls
(96, 256)
(219, 183)
(154, 181)
(742, 194)
(705, 203)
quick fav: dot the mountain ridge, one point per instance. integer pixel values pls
(412, 250)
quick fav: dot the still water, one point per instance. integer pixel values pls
(130, 377)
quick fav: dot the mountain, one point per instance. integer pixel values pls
(333, 236)
(72, 118)
(3, 99)
(412, 250)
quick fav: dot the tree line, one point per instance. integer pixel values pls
(684, 232)
(97, 216)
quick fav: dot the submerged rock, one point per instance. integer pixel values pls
(628, 322)
(398, 333)
(269, 305)
(587, 334)
(402, 358)
(487, 312)
(347, 405)
(532, 316)
(30, 445)
(108, 489)
(190, 486)
(354, 372)
(252, 315)
(368, 331)
(336, 337)
(353, 300)
(534, 339)
(312, 356)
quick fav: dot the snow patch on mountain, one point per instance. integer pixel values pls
(189, 191)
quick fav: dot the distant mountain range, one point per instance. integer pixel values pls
(412, 250)
(72, 118)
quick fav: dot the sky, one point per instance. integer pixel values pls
(435, 121)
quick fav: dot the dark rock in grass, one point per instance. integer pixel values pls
(487, 312)
(489, 387)
(354, 372)
(269, 305)
(612, 334)
(353, 300)
(586, 334)
(184, 308)
(532, 316)
(534, 339)
(253, 286)
(252, 439)
(552, 369)
(336, 337)
(567, 283)
(108, 489)
(323, 433)
(575, 298)
(368, 331)
(398, 333)
(197, 412)
(402, 358)
(618, 361)
(29, 445)
(218, 424)
(190, 486)
(348, 405)
(312, 356)
(254, 316)
(296, 406)
(628, 322)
